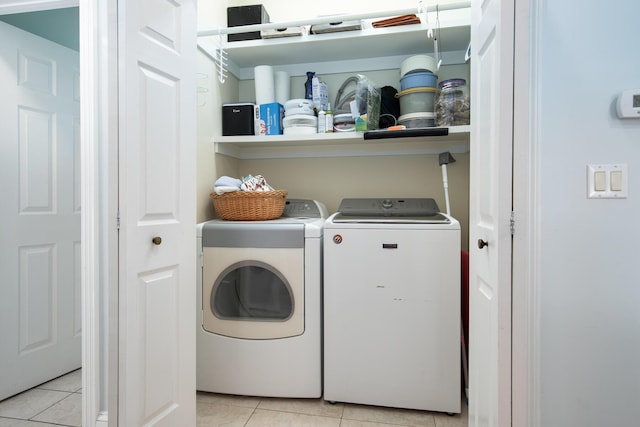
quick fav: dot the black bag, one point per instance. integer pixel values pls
(389, 104)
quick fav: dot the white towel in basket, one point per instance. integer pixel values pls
(255, 183)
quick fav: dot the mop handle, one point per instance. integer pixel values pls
(445, 184)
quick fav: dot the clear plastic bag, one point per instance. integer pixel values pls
(368, 101)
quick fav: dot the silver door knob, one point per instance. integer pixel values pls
(156, 240)
(482, 244)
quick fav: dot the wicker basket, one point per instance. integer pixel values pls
(249, 205)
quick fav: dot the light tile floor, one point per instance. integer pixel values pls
(58, 403)
(237, 411)
(54, 403)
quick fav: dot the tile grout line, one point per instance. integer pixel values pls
(49, 407)
(289, 412)
(253, 411)
(284, 411)
(31, 421)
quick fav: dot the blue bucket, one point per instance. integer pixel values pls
(418, 79)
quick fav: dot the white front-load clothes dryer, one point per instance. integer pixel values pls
(392, 305)
(259, 304)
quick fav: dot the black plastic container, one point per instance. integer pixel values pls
(246, 15)
(238, 119)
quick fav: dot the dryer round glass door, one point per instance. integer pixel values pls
(258, 298)
(251, 290)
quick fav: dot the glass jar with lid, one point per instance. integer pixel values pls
(452, 106)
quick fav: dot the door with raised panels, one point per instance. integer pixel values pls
(157, 280)
(490, 205)
(40, 316)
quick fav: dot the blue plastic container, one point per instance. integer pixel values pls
(419, 79)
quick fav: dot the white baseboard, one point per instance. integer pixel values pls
(102, 420)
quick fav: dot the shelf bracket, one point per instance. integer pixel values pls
(220, 59)
(422, 10)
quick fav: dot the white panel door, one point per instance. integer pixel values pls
(492, 35)
(157, 281)
(40, 324)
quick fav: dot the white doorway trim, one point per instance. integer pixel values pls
(99, 130)
(91, 143)
(526, 251)
(90, 222)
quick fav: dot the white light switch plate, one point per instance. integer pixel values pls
(595, 174)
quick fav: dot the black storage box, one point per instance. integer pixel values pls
(246, 15)
(238, 119)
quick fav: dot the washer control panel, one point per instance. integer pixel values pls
(388, 207)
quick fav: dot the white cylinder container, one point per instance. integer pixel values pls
(264, 82)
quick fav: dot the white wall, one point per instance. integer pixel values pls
(211, 96)
(590, 269)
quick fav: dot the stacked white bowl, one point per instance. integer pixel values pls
(417, 91)
(299, 117)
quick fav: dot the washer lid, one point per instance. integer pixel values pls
(389, 211)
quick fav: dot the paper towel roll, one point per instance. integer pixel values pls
(264, 81)
(283, 86)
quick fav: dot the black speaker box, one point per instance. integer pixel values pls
(246, 15)
(238, 119)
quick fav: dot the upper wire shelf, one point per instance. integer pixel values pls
(240, 57)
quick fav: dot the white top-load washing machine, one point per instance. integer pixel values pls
(259, 304)
(392, 305)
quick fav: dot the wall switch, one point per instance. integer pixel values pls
(616, 180)
(607, 181)
(600, 180)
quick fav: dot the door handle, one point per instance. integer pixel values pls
(482, 244)
(156, 240)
